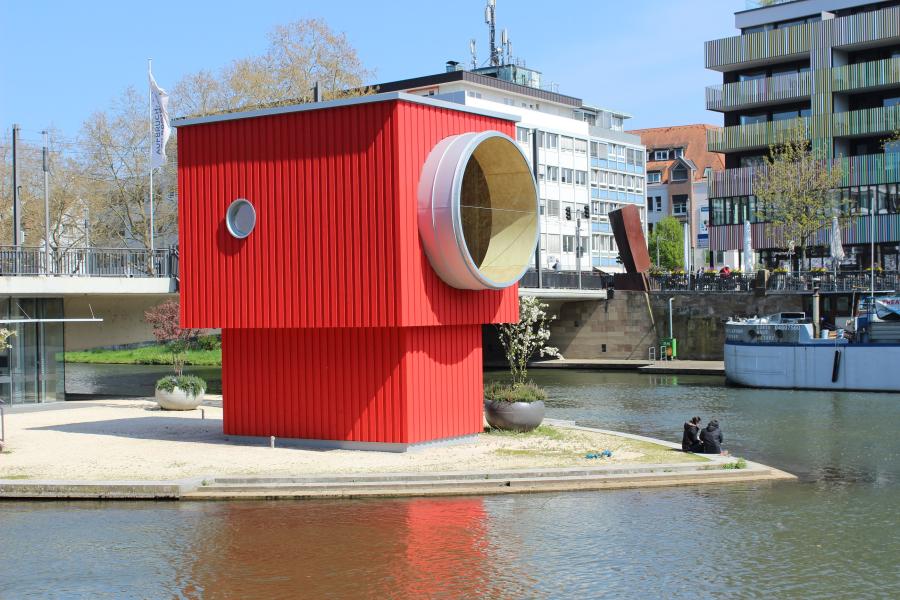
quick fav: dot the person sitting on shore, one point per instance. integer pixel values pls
(711, 437)
(690, 441)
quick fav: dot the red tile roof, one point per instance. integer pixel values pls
(690, 137)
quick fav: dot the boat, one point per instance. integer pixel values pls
(787, 350)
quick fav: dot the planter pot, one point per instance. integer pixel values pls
(514, 416)
(178, 399)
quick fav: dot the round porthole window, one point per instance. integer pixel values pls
(240, 218)
(478, 211)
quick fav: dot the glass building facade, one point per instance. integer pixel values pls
(32, 369)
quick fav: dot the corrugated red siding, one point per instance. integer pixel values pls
(400, 385)
(336, 242)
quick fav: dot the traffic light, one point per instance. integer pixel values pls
(568, 213)
(587, 212)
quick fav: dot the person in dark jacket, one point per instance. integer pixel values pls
(712, 439)
(690, 441)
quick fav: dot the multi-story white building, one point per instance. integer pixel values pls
(586, 163)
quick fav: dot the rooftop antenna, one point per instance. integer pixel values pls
(490, 18)
(472, 52)
(506, 44)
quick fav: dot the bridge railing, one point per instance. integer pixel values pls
(567, 280)
(804, 281)
(88, 262)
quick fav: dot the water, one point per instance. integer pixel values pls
(830, 535)
(130, 380)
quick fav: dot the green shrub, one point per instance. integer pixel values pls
(738, 464)
(191, 384)
(209, 342)
(522, 392)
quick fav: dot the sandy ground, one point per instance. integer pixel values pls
(133, 440)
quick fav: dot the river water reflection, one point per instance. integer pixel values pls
(831, 535)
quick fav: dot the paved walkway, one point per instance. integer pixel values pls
(671, 367)
(126, 449)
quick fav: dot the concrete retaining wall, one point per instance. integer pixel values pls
(622, 327)
(123, 320)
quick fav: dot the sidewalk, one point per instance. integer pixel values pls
(670, 367)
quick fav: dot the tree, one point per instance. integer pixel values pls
(117, 161)
(165, 320)
(794, 191)
(667, 242)
(300, 54)
(527, 337)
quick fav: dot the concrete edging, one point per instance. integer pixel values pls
(369, 485)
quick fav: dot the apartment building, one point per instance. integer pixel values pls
(678, 167)
(833, 67)
(587, 165)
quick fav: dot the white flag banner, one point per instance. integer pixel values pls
(837, 249)
(159, 123)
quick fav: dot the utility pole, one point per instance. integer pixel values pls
(46, 164)
(578, 247)
(17, 207)
(535, 135)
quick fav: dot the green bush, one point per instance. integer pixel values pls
(191, 384)
(209, 342)
(504, 392)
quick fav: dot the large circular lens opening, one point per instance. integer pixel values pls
(478, 211)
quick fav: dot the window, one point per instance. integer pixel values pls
(639, 158)
(653, 177)
(595, 242)
(566, 175)
(659, 204)
(521, 134)
(679, 173)
(549, 141)
(895, 101)
(553, 209)
(751, 119)
(552, 173)
(630, 154)
(553, 243)
(595, 177)
(785, 115)
(639, 184)
(472, 94)
(679, 152)
(541, 170)
(660, 155)
(581, 146)
(580, 177)
(620, 181)
(568, 243)
(595, 150)
(595, 207)
(566, 144)
(679, 204)
(602, 177)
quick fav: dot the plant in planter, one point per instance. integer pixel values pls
(179, 391)
(519, 405)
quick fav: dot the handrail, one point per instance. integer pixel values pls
(88, 262)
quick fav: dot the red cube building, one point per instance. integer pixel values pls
(350, 251)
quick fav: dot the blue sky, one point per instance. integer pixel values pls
(61, 61)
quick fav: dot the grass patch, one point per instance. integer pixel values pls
(738, 464)
(17, 476)
(148, 355)
(541, 431)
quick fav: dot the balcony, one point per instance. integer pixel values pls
(759, 92)
(866, 169)
(866, 76)
(870, 121)
(88, 262)
(763, 47)
(753, 136)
